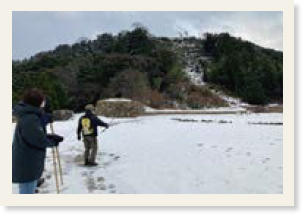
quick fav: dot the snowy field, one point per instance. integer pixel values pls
(175, 154)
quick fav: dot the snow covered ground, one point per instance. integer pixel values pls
(175, 154)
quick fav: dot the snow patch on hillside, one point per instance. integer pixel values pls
(195, 77)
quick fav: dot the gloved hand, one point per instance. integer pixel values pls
(56, 139)
(107, 126)
(79, 137)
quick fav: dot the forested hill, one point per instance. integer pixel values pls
(249, 71)
(135, 64)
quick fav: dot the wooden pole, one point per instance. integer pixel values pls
(56, 156)
(55, 171)
(59, 162)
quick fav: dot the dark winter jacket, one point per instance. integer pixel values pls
(93, 123)
(29, 144)
(46, 118)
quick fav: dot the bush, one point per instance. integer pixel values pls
(130, 84)
(157, 100)
(194, 96)
(253, 93)
(202, 97)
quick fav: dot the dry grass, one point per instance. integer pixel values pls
(265, 109)
(276, 109)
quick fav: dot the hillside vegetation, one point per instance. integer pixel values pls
(137, 65)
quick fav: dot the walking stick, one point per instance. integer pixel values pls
(60, 168)
(58, 156)
(110, 124)
(55, 171)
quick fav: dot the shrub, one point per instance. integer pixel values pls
(129, 84)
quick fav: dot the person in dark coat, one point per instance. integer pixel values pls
(30, 142)
(46, 118)
(88, 125)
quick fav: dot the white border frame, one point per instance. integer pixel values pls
(285, 199)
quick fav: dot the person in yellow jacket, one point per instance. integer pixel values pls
(88, 126)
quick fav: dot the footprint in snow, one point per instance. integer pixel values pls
(106, 163)
(101, 183)
(112, 189)
(90, 184)
(229, 149)
(264, 161)
(102, 187)
(111, 186)
(100, 179)
(108, 160)
(48, 176)
(116, 158)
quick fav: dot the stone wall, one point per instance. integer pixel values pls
(119, 108)
(63, 114)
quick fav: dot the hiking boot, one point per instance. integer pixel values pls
(86, 162)
(93, 164)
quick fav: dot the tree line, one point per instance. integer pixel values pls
(137, 65)
(253, 73)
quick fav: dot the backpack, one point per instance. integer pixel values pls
(87, 126)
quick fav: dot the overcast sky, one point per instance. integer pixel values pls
(40, 31)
